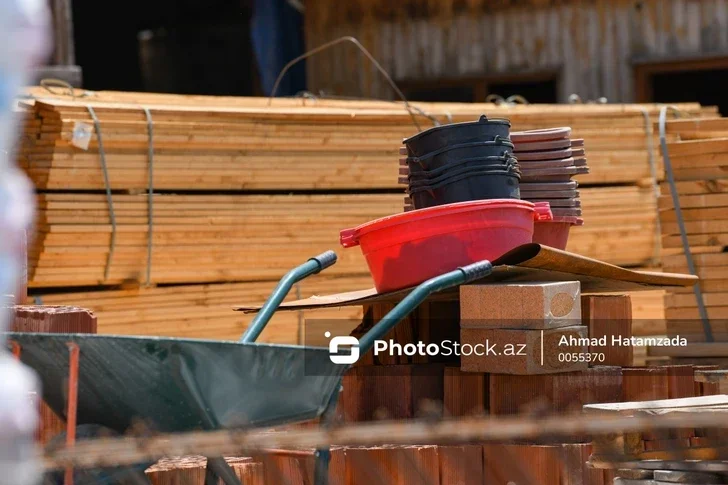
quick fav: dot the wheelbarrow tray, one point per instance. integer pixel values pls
(175, 385)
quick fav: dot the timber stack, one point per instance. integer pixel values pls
(241, 190)
(699, 157)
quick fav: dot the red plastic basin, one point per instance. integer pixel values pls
(406, 249)
(555, 233)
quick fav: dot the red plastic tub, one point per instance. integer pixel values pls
(406, 249)
(555, 233)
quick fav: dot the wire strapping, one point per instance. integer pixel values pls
(107, 186)
(366, 53)
(49, 83)
(681, 222)
(495, 99)
(516, 99)
(321, 95)
(150, 200)
(655, 183)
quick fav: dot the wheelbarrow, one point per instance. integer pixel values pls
(177, 385)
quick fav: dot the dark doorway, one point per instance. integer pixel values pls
(701, 80)
(449, 94)
(533, 92)
(706, 87)
(538, 87)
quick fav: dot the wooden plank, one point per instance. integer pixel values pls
(608, 317)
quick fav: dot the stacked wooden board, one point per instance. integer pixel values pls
(209, 238)
(196, 238)
(230, 143)
(699, 159)
(205, 311)
(244, 191)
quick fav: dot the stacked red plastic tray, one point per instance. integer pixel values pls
(548, 160)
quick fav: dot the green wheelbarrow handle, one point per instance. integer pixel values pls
(312, 266)
(460, 276)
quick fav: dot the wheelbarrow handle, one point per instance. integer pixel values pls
(459, 276)
(312, 266)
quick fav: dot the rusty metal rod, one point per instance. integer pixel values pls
(127, 450)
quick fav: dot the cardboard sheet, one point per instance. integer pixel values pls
(529, 262)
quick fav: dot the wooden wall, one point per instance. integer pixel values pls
(593, 45)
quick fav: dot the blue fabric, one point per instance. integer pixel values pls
(277, 35)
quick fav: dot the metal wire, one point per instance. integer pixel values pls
(655, 183)
(321, 95)
(107, 186)
(681, 221)
(49, 83)
(150, 200)
(516, 99)
(366, 53)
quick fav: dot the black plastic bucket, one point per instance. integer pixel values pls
(466, 187)
(510, 166)
(456, 133)
(431, 161)
(480, 163)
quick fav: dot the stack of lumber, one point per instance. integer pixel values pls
(231, 143)
(196, 238)
(699, 159)
(244, 191)
(210, 238)
(663, 456)
(205, 311)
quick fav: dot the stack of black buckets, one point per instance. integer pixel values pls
(460, 162)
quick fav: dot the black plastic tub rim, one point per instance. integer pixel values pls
(482, 120)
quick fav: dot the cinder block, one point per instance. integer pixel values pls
(681, 384)
(391, 392)
(190, 470)
(554, 393)
(297, 467)
(461, 465)
(465, 393)
(706, 388)
(667, 444)
(537, 465)
(646, 384)
(523, 352)
(608, 317)
(521, 306)
(52, 319)
(393, 465)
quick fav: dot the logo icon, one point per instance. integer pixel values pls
(337, 343)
